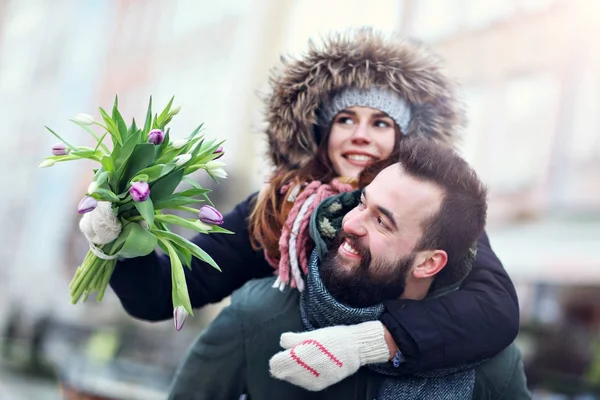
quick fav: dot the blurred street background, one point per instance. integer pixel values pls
(529, 75)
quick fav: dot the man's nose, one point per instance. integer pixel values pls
(353, 224)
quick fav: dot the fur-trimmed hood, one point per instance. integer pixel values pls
(361, 58)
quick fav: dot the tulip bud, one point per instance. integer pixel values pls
(86, 205)
(177, 144)
(92, 187)
(182, 159)
(210, 215)
(218, 151)
(47, 163)
(175, 109)
(214, 168)
(156, 136)
(85, 119)
(180, 315)
(139, 191)
(60, 149)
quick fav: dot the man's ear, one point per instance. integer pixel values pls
(429, 263)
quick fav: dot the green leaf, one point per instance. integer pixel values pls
(61, 139)
(218, 229)
(133, 128)
(175, 201)
(193, 192)
(68, 157)
(121, 154)
(100, 143)
(141, 157)
(157, 171)
(160, 149)
(189, 246)
(105, 195)
(111, 127)
(166, 185)
(180, 291)
(192, 182)
(138, 241)
(165, 113)
(146, 210)
(206, 154)
(147, 124)
(118, 118)
(84, 153)
(186, 223)
(126, 207)
(107, 163)
(195, 132)
(140, 178)
(91, 132)
(184, 255)
(197, 142)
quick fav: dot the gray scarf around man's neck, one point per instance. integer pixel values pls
(319, 310)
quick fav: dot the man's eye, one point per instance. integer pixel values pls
(381, 223)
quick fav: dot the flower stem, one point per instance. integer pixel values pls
(108, 270)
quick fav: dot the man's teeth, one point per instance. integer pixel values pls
(359, 157)
(349, 248)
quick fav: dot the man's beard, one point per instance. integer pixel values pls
(366, 284)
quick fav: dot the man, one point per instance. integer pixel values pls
(409, 234)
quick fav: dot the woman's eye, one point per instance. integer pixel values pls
(382, 124)
(345, 120)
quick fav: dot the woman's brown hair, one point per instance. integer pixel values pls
(271, 211)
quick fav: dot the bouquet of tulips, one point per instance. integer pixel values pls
(134, 184)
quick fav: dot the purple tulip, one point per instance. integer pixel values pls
(156, 136)
(218, 151)
(86, 205)
(180, 315)
(210, 215)
(139, 191)
(60, 149)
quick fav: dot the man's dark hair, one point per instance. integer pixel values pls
(460, 221)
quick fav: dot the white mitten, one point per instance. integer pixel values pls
(317, 359)
(101, 225)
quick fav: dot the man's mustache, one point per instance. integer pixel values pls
(355, 241)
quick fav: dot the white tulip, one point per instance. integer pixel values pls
(182, 159)
(85, 119)
(215, 169)
(47, 163)
(92, 187)
(175, 109)
(177, 144)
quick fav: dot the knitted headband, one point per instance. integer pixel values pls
(378, 98)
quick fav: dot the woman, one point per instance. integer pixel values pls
(402, 80)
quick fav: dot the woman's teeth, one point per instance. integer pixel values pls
(359, 157)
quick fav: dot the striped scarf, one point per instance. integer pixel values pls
(319, 309)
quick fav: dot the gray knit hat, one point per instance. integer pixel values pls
(379, 98)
